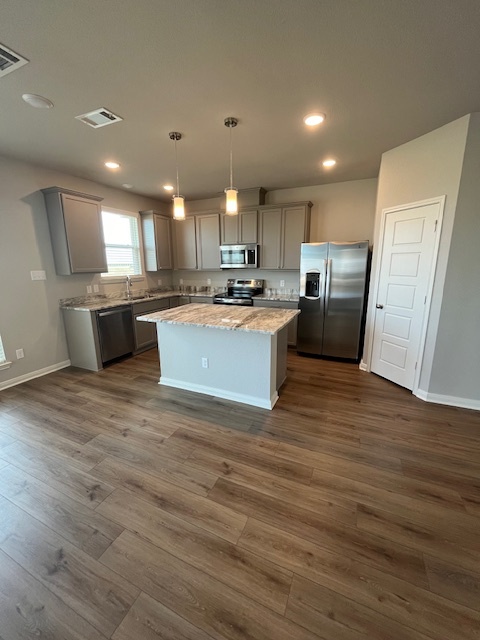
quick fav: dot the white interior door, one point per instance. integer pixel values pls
(407, 266)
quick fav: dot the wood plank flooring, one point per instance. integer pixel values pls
(137, 512)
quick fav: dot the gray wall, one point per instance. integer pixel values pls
(29, 315)
(456, 363)
(341, 212)
(426, 167)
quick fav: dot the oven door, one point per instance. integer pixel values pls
(238, 256)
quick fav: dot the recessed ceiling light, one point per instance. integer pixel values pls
(127, 186)
(168, 187)
(329, 163)
(314, 118)
(112, 165)
(39, 102)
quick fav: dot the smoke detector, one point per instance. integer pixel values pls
(9, 60)
(99, 118)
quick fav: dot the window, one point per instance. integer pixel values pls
(122, 244)
(3, 359)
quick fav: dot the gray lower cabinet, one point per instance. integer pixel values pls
(181, 300)
(145, 333)
(201, 299)
(82, 331)
(76, 231)
(281, 304)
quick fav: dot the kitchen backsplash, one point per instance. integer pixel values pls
(219, 278)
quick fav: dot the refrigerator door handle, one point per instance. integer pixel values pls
(328, 284)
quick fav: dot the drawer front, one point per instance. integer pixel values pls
(275, 304)
(141, 308)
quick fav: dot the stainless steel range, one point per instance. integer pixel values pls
(240, 292)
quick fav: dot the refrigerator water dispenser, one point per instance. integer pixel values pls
(312, 285)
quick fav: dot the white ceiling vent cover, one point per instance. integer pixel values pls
(99, 118)
(9, 60)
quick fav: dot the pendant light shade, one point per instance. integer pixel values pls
(231, 208)
(178, 200)
(178, 208)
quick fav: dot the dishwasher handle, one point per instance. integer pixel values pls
(103, 314)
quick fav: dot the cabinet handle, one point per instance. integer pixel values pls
(379, 306)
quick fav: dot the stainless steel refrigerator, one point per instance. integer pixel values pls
(333, 279)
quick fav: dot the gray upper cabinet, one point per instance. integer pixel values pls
(197, 242)
(185, 246)
(270, 238)
(239, 229)
(208, 240)
(157, 241)
(282, 230)
(75, 222)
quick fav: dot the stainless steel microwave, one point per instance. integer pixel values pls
(239, 256)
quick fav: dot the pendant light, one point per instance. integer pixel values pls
(178, 200)
(231, 208)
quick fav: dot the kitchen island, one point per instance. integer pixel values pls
(235, 353)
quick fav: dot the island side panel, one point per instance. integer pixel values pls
(281, 351)
(242, 365)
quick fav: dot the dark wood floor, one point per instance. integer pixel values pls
(136, 512)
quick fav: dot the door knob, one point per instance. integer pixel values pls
(379, 306)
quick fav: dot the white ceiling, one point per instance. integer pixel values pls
(384, 72)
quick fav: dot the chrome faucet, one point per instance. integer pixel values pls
(129, 287)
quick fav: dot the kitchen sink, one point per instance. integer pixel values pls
(142, 296)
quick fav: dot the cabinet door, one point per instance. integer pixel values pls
(270, 238)
(163, 242)
(294, 233)
(229, 230)
(83, 226)
(185, 245)
(247, 227)
(208, 241)
(292, 332)
(145, 333)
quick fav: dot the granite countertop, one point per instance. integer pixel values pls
(100, 302)
(259, 320)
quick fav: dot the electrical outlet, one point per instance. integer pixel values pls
(159, 281)
(96, 288)
(205, 363)
(209, 281)
(38, 275)
(20, 354)
(282, 283)
(181, 280)
(89, 288)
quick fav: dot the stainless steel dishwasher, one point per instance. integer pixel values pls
(115, 331)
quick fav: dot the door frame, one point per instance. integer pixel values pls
(440, 200)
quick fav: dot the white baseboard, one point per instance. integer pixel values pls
(363, 366)
(452, 401)
(34, 374)
(220, 393)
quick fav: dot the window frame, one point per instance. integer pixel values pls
(107, 277)
(4, 363)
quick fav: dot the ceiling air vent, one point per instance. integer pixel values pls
(9, 60)
(99, 118)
